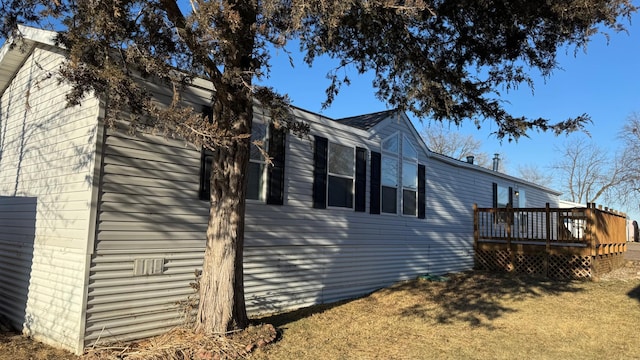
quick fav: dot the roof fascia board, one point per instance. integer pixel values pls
(465, 165)
(415, 132)
(46, 37)
(16, 50)
(395, 117)
(328, 122)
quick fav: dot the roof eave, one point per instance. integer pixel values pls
(15, 51)
(466, 165)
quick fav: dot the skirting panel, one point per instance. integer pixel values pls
(542, 264)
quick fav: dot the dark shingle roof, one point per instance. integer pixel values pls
(366, 121)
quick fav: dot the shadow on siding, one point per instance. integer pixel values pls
(17, 235)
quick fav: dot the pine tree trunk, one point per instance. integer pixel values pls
(222, 305)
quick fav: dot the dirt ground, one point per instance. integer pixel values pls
(17, 347)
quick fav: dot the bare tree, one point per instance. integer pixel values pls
(443, 59)
(587, 173)
(534, 174)
(455, 145)
(629, 191)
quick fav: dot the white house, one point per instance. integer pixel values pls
(101, 231)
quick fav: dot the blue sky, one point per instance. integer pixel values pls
(603, 82)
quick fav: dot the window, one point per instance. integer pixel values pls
(264, 182)
(398, 181)
(340, 176)
(399, 176)
(408, 150)
(409, 188)
(502, 198)
(389, 174)
(256, 175)
(521, 198)
(389, 184)
(390, 144)
(409, 178)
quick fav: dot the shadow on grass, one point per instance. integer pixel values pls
(635, 293)
(279, 320)
(476, 298)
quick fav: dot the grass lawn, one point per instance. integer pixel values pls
(471, 316)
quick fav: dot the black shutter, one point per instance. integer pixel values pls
(495, 195)
(207, 113)
(206, 160)
(422, 190)
(275, 175)
(320, 172)
(510, 197)
(361, 179)
(374, 191)
(206, 157)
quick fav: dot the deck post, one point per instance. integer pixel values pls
(548, 227)
(547, 213)
(476, 234)
(512, 250)
(591, 208)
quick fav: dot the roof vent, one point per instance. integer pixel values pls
(470, 159)
(496, 162)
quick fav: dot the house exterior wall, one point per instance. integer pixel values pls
(105, 247)
(446, 234)
(295, 255)
(149, 210)
(47, 155)
(452, 190)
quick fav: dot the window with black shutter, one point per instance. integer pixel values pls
(265, 182)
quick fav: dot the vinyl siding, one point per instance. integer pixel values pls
(294, 255)
(149, 209)
(447, 227)
(46, 171)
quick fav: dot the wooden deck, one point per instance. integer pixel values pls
(557, 243)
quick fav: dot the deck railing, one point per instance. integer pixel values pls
(505, 233)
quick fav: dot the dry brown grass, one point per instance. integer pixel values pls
(14, 347)
(471, 316)
(183, 344)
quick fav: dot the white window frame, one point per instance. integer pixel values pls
(394, 155)
(413, 161)
(502, 216)
(352, 177)
(262, 191)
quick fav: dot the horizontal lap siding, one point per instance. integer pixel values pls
(294, 255)
(149, 209)
(298, 256)
(46, 163)
(451, 192)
